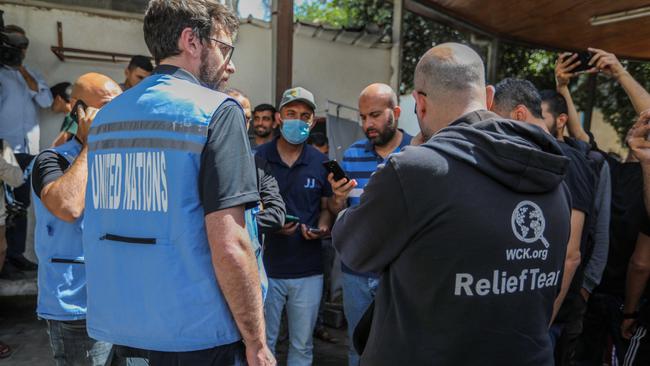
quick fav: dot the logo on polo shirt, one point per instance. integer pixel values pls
(311, 183)
(528, 225)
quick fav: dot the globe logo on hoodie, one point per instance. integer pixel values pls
(528, 223)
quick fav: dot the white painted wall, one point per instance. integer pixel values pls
(331, 70)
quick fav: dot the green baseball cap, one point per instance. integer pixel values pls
(298, 94)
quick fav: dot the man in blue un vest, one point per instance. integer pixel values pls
(171, 272)
(59, 186)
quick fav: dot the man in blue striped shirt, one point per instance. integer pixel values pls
(379, 114)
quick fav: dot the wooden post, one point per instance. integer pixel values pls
(282, 47)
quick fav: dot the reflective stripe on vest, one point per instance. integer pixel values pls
(151, 283)
(61, 272)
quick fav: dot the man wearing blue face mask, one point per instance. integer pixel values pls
(292, 257)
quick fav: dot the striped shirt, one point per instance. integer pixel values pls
(360, 161)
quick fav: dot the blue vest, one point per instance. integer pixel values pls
(151, 283)
(61, 272)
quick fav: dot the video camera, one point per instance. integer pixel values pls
(11, 45)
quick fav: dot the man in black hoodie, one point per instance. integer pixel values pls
(472, 273)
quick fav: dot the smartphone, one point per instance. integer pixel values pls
(73, 113)
(584, 58)
(333, 167)
(314, 230)
(291, 219)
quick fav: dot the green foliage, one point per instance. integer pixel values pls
(420, 34)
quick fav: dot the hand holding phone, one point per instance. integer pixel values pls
(333, 167)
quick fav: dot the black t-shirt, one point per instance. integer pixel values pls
(580, 179)
(628, 218)
(227, 174)
(48, 167)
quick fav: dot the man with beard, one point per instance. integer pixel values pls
(263, 124)
(293, 256)
(170, 269)
(379, 114)
(442, 222)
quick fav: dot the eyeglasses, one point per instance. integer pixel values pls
(226, 49)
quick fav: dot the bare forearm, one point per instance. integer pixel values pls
(65, 197)
(236, 271)
(570, 267)
(637, 279)
(638, 95)
(575, 128)
(239, 280)
(335, 205)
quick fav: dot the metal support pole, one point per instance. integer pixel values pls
(493, 60)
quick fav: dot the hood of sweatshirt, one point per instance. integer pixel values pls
(521, 156)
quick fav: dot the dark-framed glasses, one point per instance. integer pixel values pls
(226, 49)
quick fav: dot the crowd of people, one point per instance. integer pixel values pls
(178, 225)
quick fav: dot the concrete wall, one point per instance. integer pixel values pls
(331, 70)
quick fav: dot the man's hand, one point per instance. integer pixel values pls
(259, 355)
(289, 228)
(636, 138)
(607, 63)
(565, 63)
(341, 188)
(585, 294)
(85, 119)
(628, 327)
(308, 235)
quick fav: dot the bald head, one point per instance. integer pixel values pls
(382, 93)
(95, 90)
(449, 69)
(449, 82)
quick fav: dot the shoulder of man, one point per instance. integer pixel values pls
(355, 148)
(420, 160)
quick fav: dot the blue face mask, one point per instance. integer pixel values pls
(295, 131)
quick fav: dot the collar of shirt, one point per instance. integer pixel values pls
(176, 72)
(274, 154)
(406, 140)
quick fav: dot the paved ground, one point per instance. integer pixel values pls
(20, 328)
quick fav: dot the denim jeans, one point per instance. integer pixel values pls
(358, 293)
(302, 298)
(72, 346)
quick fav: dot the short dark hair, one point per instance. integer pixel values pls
(511, 92)
(142, 62)
(318, 138)
(263, 108)
(165, 20)
(11, 28)
(556, 102)
(63, 90)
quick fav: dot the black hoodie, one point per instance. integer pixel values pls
(469, 232)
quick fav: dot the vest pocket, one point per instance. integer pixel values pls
(67, 261)
(128, 239)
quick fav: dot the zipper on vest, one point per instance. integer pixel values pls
(128, 239)
(67, 261)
